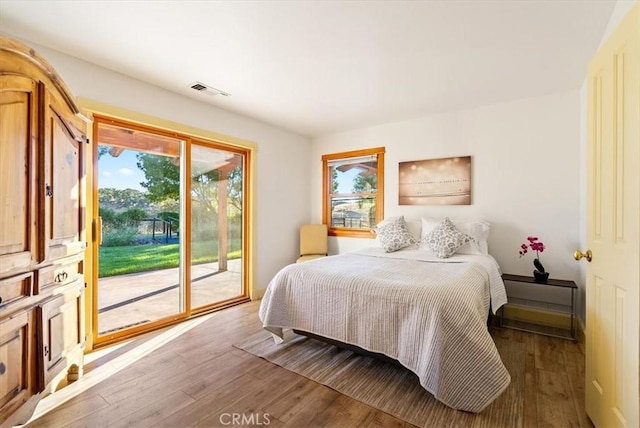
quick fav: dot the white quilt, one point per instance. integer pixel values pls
(430, 314)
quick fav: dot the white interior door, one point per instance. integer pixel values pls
(613, 229)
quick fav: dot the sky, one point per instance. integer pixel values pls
(345, 180)
(121, 172)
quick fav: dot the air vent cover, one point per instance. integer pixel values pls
(209, 90)
(198, 87)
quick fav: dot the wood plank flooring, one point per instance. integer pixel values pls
(191, 375)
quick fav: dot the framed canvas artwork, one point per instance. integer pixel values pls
(445, 181)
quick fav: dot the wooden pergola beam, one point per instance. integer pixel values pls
(139, 141)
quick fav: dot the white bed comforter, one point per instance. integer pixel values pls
(428, 313)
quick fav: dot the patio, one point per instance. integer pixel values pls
(138, 298)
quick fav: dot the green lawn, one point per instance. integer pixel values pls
(142, 258)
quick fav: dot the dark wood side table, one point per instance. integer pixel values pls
(540, 329)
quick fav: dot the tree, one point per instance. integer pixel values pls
(162, 181)
(235, 189)
(365, 183)
(133, 216)
(162, 177)
(102, 150)
(119, 199)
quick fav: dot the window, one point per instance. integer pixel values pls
(352, 192)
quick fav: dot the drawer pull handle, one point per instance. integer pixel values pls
(61, 276)
(3, 369)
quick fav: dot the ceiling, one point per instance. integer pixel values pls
(319, 67)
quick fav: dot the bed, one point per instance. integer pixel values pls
(427, 312)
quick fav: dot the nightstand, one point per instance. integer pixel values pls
(563, 333)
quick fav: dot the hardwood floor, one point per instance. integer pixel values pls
(191, 375)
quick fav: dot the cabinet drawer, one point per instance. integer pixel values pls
(15, 288)
(59, 273)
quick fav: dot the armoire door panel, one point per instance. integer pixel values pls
(62, 331)
(61, 191)
(17, 148)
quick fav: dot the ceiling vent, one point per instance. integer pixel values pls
(209, 90)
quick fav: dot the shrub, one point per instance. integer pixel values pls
(133, 216)
(120, 237)
(109, 218)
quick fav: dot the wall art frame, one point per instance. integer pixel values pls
(443, 181)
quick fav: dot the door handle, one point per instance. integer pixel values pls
(97, 230)
(579, 255)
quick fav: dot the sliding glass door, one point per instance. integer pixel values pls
(170, 222)
(216, 225)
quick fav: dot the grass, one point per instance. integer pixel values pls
(144, 258)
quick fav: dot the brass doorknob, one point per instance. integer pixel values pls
(579, 255)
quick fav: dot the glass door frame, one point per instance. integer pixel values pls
(185, 232)
(245, 230)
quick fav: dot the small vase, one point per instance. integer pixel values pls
(540, 276)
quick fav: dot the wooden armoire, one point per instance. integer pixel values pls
(42, 232)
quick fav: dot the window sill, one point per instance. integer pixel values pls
(352, 233)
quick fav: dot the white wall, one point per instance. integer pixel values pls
(525, 174)
(282, 164)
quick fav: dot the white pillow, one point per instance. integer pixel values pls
(393, 234)
(414, 226)
(478, 230)
(445, 239)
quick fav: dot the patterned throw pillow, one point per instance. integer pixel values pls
(394, 235)
(445, 239)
